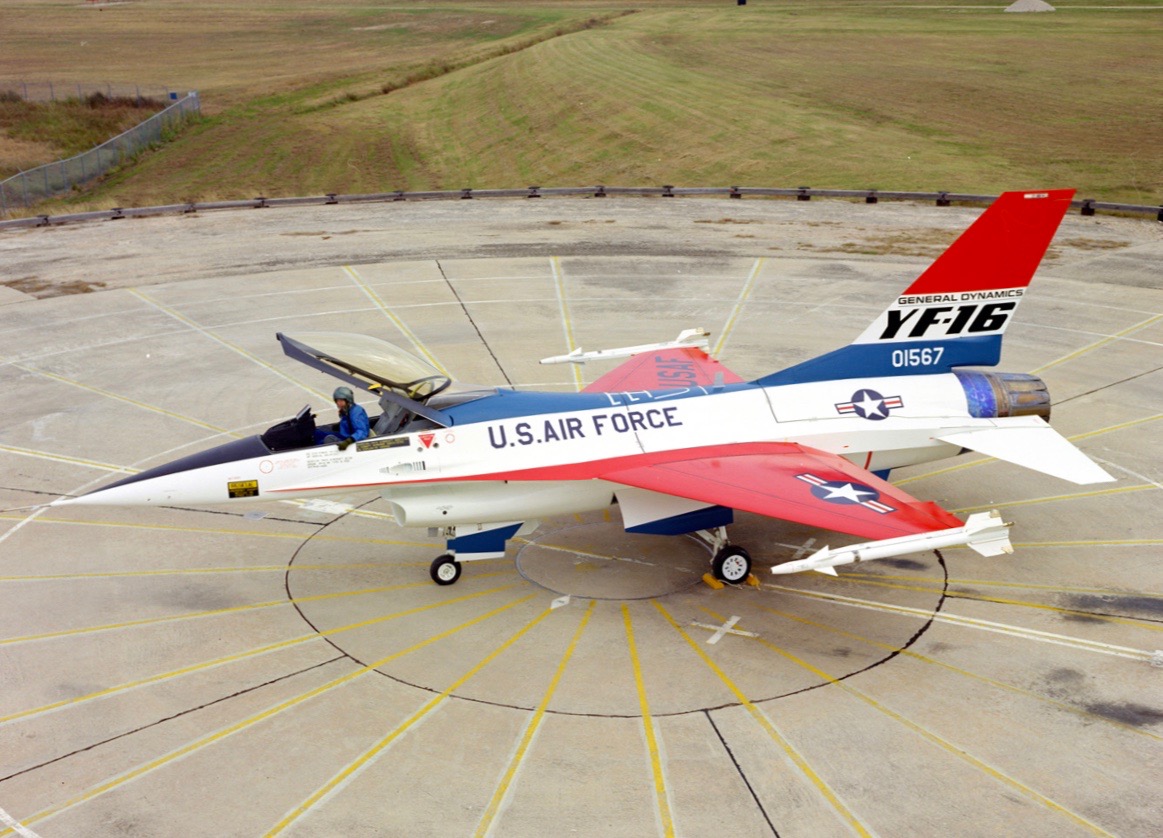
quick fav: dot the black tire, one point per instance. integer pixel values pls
(445, 570)
(732, 565)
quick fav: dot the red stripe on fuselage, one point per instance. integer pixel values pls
(589, 470)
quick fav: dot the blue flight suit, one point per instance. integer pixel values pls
(352, 425)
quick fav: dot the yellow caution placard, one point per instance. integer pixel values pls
(242, 488)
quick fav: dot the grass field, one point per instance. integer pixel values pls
(308, 97)
(35, 133)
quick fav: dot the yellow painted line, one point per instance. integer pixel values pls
(949, 618)
(946, 470)
(221, 734)
(372, 753)
(740, 302)
(933, 738)
(1017, 603)
(1109, 542)
(1098, 344)
(367, 513)
(61, 458)
(396, 321)
(1004, 583)
(566, 323)
(534, 724)
(117, 397)
(250, 653)
(215, 531)
(1061, 705)
(764, 722)
(193, 571)
(1118, 427)
(1118, 490)
(28, 638)
(181, 318)
(648, 726)
(573, 551)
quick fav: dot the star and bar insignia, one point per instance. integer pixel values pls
(869, 404)
(846, 492)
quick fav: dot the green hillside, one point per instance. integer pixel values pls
(838, 95)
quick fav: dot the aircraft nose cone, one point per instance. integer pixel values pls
(165, 483)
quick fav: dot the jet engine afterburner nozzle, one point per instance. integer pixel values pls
(993, 394)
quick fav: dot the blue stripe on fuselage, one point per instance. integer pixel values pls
(875, 360)
(508, 404)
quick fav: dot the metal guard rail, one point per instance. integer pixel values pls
(1087, 206)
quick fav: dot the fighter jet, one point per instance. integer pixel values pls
(678, 442)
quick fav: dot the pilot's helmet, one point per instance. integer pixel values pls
(343, 393)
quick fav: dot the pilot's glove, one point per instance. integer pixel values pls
(343, 443)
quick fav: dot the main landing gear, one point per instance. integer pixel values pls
(729, 564)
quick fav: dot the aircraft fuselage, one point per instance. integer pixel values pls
(513, 455)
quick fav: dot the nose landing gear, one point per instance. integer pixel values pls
(445, 570)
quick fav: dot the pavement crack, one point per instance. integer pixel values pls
(165, 719)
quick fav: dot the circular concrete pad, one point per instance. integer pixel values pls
(572, 560)
(291, 667)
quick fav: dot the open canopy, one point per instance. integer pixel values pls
(369, 363)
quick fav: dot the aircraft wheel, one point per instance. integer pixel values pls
(445, 570)
(731, 564)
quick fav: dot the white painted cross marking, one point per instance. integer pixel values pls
(17, 827)
(805, 547)
(727, 628)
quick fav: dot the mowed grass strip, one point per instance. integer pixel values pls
(844, 95)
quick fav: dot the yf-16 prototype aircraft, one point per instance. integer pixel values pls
(677, 441)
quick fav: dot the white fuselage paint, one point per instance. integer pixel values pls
(464, 474)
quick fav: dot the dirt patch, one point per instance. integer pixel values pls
(43, 289)
(927, 244)
(1093, 244)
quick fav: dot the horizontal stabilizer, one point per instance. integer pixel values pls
(1029, 442)
(985, 532)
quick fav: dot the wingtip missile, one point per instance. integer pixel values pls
(698, 338)
(984, 532)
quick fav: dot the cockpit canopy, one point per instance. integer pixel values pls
(370, 363)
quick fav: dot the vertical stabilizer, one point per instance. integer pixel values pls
(956, 312)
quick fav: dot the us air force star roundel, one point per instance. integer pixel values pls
(869, 404)
(846, 492)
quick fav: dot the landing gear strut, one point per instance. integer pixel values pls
(730, 564)
(470, 543)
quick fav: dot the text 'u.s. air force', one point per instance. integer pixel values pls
(561, 428)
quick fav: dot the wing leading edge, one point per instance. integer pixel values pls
(794, 483)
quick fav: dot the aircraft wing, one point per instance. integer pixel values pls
(665, 369)
(794, 483)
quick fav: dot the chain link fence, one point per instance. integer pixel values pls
(50, 91)
(27, 188)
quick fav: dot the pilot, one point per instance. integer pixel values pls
(353, 422)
